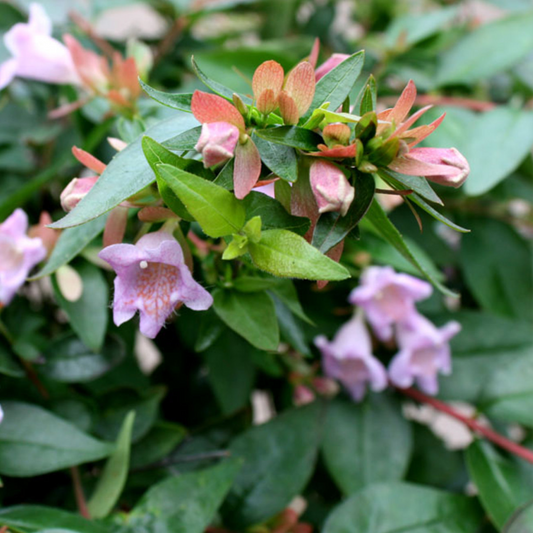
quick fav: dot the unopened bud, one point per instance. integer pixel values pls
(75, 191)
(326, 386)
(217, 142)
(330, 187)
(330, 64)
(302, 395)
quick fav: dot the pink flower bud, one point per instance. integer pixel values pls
(217, 142)
(330, 187)
(325, 386)
(302, 395)
(330, 64)
(75, 191)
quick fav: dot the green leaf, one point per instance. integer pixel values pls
(521, 521)
(279, 458)
(113, 477)
(273, 214)
(384, 227)
(286, 292)
(9, 366)
(127, 174)
(357, 448)
(290, 327)
(36, 517)
(490, 49)
(280, 159)
(162, 439)
(435, 214)
(286, 254)
(181, 102)
(291, 136)
(185, 503)
(34, 441)
(217, 211)
(511, 130)
(395, 507)
(504, 484)
(337, 84)
(184, 141)
(71, 242)
(497, 264)
(88, 315)
(231, 371)
(418, 184)
(70, 361)
(251, 315)
(332, 228)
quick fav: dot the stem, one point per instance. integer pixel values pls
(78, 492)
(475, 426)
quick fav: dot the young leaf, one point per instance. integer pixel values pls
(47, 443)
(332, 228)
(217, 211)
(181, 102)
(286, 254)
(251, 315)
(113, 478)
(280, 159)
(292, 136)
(337, 84)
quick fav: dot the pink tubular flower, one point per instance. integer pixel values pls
(446, 166)
(152, 278)
(424, 352)
(349, 359)
(36, 54)
(388, 298)
(328, 65)
(18, 254)
(75, 191)
(330, 187)
(217, 142)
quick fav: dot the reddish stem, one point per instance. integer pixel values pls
(474, 425)
(78, 492)
(430, 99)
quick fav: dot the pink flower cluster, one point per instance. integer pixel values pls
(387, 300)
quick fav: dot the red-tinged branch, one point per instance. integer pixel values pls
(78, 492)
(471, 423)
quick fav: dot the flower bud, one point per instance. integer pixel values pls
(217, 142)
(330, 187)
(75, 191)
(329, 64)
(303, 395)
(335, 134)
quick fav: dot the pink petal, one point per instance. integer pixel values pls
(88, 160)
(247, 168)
(268, 76)
(332, 62)
(300, 85)
(288, 109)
(313, 56)
(212, 108)
(8, 70)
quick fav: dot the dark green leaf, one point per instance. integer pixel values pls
(280, 159)
(251, 315)
(418, 184)
(435, 214)
(34, 441)
(9, 366)
(279, 458)
(332, 228)
(366, 443)
(181, 102)
(292, 136)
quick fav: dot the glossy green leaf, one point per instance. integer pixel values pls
(88, 315)
(384, 227)
(521, 521)
(291, 136)
(127, 174)
(394, 507)
(286, 254)
(279, 458)
(185, 503)
(488, 50)
(71, 242)
(337, 84)
(417, 184)
(366, 443)
(504, 484)
(113, 478)
(217, 211)
(251, 315)
(36, 517)
(181, 102)
(332, 228)
(33, 441)
(68, 360)
(280, 159)
(184, 141)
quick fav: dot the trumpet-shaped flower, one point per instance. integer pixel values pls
(330, 187)
(36, 54)
(348, 358)
(424, 352)
(152, 278)
(388, 298)
(18, 254)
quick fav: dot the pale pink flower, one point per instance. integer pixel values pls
(217, 142)
(334, 61)
(152, 278)
(331, 189)
(424, 352)
(36, 54)
(18, 254)
(388, 298)
(75, 191)
(348, 358)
